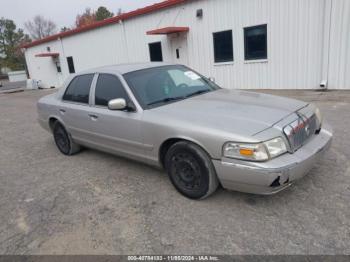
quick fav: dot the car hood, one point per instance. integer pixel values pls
(240, 112)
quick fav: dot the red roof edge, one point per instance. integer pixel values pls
(168, 30)
(109, 21)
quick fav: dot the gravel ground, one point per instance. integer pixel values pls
(95, 203)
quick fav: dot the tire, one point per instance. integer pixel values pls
(64, 141)
(191, 170)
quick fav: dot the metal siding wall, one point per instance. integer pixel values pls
(95, 48)
(136, 31)
(339, 63)
(295, 42)
(43, 68)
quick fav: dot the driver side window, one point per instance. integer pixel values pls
(109, 87)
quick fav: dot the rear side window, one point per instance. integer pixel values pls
(79, 89)
(108, 87)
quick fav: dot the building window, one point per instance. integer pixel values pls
(255, 42)
(155, 52)
(223, 46)
(108, 87)
(70, 65)
(79, 89)
(177, 53)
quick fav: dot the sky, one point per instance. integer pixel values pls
(62, 12)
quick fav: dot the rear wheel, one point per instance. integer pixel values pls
(63, 140)
(190, 170)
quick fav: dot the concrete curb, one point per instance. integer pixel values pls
(13, 90)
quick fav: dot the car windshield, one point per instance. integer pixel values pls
(158, 86)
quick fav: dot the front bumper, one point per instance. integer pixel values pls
(277, 174)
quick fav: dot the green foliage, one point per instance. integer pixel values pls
(103, 13)
(11, 39)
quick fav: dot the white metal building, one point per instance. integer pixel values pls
(266, 44)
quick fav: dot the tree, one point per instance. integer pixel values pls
(11, 39)
(40, 27)
(119, 12)
(87, 18)
(103, 13)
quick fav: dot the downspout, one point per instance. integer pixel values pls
(60, 39)
(61, 80)
(327, 26)
(23, 50)
(121, 22)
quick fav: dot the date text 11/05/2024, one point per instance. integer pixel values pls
(173, 258)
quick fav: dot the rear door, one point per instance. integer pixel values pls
(74, 109)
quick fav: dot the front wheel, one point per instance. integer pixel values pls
(63, 140)
(191, 170)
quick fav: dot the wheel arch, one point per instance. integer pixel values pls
(164, 147)
(53, 119)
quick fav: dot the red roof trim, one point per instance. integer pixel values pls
(47, 55)
(168, 30)
(109, 21)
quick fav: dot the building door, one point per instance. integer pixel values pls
(179, 49)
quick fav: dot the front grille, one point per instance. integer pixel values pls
(300, 131)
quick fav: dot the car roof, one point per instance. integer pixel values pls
(124, 68)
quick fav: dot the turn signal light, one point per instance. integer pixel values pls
(246, 152)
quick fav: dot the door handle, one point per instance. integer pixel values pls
(93, 117)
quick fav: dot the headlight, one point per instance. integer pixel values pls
(255, 152)
(246, 151)
(276, 147)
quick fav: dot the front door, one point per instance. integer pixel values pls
(179, 48)
(117, 131)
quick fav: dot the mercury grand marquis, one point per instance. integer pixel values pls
(172, 117)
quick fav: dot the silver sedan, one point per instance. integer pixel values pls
(172, 117)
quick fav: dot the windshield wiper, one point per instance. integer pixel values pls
(166, 100)
(171, 99)
(199, 92)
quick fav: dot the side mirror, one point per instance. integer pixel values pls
(117, 104)
(212, 79)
